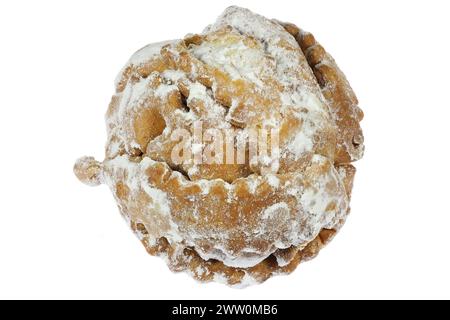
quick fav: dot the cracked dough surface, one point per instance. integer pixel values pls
(235, 223)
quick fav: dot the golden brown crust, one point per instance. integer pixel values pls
(216, 212)
(340, 96)
(236, 223)
(206, 270)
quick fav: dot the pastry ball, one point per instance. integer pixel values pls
(229, 151)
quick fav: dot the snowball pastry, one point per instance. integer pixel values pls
(186, 155)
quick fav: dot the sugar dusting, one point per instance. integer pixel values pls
(289, 64)
(316, 193)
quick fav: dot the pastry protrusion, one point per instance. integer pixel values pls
(88, 171)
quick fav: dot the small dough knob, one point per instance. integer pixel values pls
(88, 171)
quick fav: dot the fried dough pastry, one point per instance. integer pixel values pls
(239, 223)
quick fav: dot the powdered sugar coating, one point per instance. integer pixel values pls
(239, 224)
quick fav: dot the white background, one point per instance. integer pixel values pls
(61, 239)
